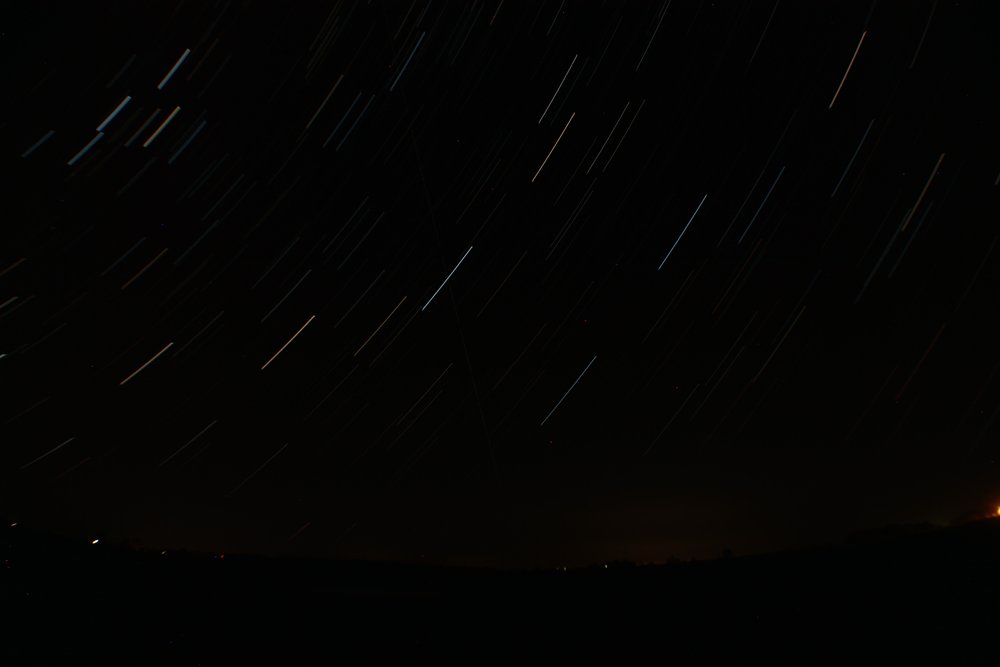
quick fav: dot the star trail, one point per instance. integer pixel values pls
(497, 282)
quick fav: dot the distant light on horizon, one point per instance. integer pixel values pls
(844, 364)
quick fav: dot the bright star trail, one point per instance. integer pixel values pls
(498, 282)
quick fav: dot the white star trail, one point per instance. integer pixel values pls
(138, 370)
(447, 278)
(173, 69)
(848, 70)
(567, 391)
(51, 451)
(682, 233)
(288, 343)
(572, 115)
(111, 116)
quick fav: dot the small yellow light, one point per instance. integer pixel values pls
(95, 541)
(998, 510)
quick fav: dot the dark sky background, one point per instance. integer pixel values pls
(498, 282)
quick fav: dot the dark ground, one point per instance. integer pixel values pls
(905, 591)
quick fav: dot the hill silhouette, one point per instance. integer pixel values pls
(69, 601)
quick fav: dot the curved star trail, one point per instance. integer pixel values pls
(383, 240)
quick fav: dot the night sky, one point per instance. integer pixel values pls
(506, 283)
